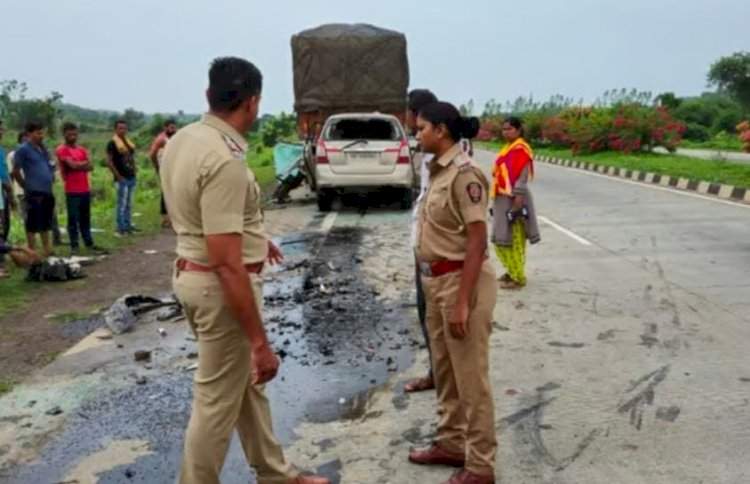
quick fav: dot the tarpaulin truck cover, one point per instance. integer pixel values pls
(359, 68)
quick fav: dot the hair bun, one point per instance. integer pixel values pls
(469, 127)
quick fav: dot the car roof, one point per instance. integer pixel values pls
(374, 115)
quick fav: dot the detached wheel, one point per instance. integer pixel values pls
(325, 200)
(407, 199)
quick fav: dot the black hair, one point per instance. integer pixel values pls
(516, 122)
(419, 98)
(20, 137)
(32, 126)
(231, 81)
(169, 121)
(445, 113)
(69, 127)
(120, 121)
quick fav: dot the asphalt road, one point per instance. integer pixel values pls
(624, 361)
(643, 296)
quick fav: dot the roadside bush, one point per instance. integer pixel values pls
(697, 132)
(625, 128)
(744, 134)
(491, 127)
(726, 122)
(533, 122)
(555, 132)
(589, 131)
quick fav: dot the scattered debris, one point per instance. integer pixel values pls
(558, 344)
(141, 380)
(142, 355)
(162, 332)
(54, 411)
(668, 414)
(54, 269)
(150, 252)
(192, 355)
(104, 335)
(174, 313)
(192, 367)
(123, 314)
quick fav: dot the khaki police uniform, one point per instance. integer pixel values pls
(457, 197)
(210, 190)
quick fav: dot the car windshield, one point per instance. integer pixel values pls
(369, 129)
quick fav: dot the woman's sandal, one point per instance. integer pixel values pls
(420, 385)
(511, 285)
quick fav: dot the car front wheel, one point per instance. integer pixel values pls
(325, 200)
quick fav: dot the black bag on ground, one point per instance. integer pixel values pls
(54, 270)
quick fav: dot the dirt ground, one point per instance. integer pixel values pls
(34, 335)
(61, 314)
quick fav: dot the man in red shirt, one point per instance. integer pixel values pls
(75, 166)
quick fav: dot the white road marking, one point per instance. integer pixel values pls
(327, 224)
(655, 187)
(565, 231)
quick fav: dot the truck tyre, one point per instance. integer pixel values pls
(407, 199)
(325, 200)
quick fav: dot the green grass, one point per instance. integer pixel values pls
(16, 291)
(260, 160)
(730, 144)
(6, 386)
(734, 174)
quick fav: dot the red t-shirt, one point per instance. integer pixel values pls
(75, 181)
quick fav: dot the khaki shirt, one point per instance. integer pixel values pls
(457, 197)
(209, 190)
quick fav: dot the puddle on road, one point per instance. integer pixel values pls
(339, 341)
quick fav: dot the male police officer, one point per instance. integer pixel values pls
(214, 203)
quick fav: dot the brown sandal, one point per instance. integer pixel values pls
(420, 385)
(511, 285)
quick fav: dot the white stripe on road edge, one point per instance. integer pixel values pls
(565, 231)
(327, 224)
(656, 187)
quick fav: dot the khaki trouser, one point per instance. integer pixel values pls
(223, 397)
(467, 418)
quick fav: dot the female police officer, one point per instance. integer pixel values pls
(460, 289)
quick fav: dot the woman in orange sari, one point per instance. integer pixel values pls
(514, 216)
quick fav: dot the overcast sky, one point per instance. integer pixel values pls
(153, 55)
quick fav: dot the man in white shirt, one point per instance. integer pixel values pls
(419, 98)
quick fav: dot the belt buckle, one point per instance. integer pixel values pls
(426, 269)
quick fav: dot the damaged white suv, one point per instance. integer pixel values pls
(363, 152)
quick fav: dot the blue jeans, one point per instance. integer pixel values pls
(79, 218)
(125, 190)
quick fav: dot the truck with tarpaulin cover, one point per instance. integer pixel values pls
(341, 68)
